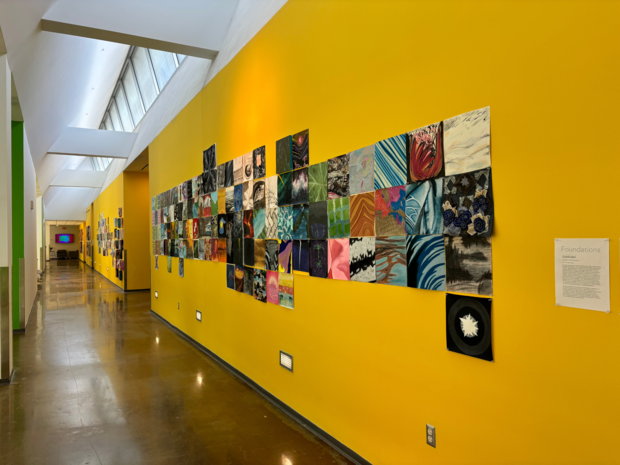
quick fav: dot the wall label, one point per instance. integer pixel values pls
(582, 274)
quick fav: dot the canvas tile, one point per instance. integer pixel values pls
(338, 218)
(467, 141)
(221, 225)
(190, 249)
(248, 166)
(271, 192)
(425, 158)
(271, 223)
(301, 149)
(221, 176)
(362, 259)
(284, 155)
(317, 182)
(238, 170)
(185, 212)
(181, 268)
(230, 250)
(209, 160)
(199, 186)
(215, 226)
(248, 252)
(285, 257)
(467, 204)
(230, 199)
(300, 256)
(169, 265)
(362, 170)
(221, 201)
(338, 259)
(259, 224)
(209, 180)
(286, 294)
(248, 195)
(273, 287)
(317, 259)
(362, 209)
(469, 326)
(272, 247)
(258, 194)
(230, 276)
(238, 197)
(424, 214)
(237, 225)
(391, 162)
(229, 179)
(299, 190)
(239, 278)
(284, 189)
(215, 251)
(195, 228)
(390, 211)
(318, 220)
(207, 246)
(248, 224)
(214, 202)
(338, 177)
(200, 210)
(205, 227)
(391, 260)
(259, 163)
(248, 280)
(300, 221)
(285, 223)
(259, 253)
(195, 187)
(469, 266)
(426, 263)
(260, 285)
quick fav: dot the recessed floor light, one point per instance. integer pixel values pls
(198, 315)
(286, 361)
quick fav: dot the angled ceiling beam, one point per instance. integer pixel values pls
(79, 178)
(94, 143)
(151, 24)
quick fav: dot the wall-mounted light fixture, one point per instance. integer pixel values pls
(286, 361)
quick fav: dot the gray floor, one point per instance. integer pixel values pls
(99, 380)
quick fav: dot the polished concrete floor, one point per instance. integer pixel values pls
(99, 380)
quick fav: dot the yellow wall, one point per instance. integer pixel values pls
(371, 365)
(89, 222)
(108, 203)
(82, 238)
(137, 214)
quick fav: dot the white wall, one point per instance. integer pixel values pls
(39, 212)
(30, 231)
(51, 238)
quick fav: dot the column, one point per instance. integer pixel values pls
(6, 321)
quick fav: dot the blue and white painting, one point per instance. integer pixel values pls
(423, 207)
(391, 162)
(238, 197)
(285, 223)
(426, 263)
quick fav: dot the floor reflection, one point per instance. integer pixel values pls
(100, 381)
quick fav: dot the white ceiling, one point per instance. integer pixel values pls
(65, 81)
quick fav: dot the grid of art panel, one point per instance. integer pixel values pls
(413, 210)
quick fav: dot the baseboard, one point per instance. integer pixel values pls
(299, 418)
(9, 380)
(19, 331)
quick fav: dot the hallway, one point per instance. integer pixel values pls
(99, 380)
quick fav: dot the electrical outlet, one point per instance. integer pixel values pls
(431, 439)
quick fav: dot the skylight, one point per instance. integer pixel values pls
(100, 163)
(144, 75)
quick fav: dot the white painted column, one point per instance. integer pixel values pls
(6, 324)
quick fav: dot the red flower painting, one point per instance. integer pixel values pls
(425, 153)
